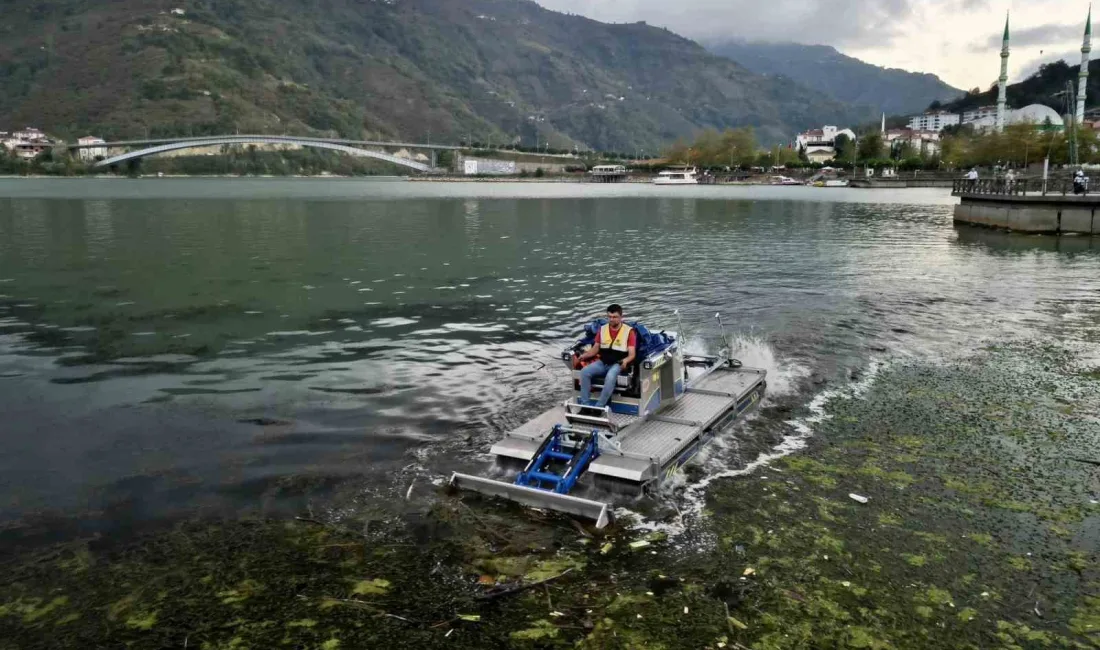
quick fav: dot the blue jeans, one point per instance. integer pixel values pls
(599, 369)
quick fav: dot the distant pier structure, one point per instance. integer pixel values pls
(1027, 205)
(608, 173)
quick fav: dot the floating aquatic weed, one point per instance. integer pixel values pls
(827, 572)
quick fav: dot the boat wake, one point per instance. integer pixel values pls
(689, 496)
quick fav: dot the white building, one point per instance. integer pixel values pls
(1037, 115)
(29, 150)
(820, 153)
(30, 134)
(933, 121)
(826, 135)
(26, 143)
(480, 166)
(819, 145)
(923, 142)
(91, 153)
(979, 114)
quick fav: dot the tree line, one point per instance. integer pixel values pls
(1019, 145)
(959, 148)
(738, 149)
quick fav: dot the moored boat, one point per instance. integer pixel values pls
(684, 176)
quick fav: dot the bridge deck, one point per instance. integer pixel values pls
(334, 145)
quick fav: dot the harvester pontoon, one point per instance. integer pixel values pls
(664, 409)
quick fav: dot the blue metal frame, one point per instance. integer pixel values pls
(576, 462)
(623, 409)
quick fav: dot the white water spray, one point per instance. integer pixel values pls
(692, 496)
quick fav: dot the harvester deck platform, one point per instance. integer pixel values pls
(659, 418)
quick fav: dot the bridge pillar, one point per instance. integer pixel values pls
(432, 153)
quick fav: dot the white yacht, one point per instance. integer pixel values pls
(686, 176)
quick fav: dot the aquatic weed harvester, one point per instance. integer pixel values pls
(664, 409)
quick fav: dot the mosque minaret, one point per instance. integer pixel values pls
(1082, 87)
(1035, 114)
(1002, 83)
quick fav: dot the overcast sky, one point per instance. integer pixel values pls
(959, 40)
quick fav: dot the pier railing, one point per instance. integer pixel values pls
(1014, 187)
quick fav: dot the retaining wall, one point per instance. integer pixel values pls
(1032, 214)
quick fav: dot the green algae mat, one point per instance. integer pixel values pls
(980, 530)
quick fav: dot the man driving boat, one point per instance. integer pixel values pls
(616, 345)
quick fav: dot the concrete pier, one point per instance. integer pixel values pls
(608, 173)
(1022, 206)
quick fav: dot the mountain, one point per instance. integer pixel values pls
(1047, 86)
(846, 79)
(438, 70)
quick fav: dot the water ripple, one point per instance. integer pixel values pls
(193, 337)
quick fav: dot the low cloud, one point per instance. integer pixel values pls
(956, 39)
(1032, 36)
(851, 22)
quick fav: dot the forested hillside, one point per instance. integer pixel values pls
(844, 78)
(1047, 86)
(444, 70)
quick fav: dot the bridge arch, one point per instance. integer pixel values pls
(246, 139)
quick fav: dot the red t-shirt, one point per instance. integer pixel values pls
(632, 340)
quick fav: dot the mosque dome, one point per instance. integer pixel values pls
(1037, 114)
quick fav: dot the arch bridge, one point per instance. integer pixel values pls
(350, 147)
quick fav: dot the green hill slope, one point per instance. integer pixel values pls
(1047, 86)
(447, 70)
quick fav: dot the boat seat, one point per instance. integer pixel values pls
(652, 347)
(627, 385)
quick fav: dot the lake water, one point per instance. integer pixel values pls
(170, 347)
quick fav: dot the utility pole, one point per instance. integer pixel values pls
(1071, 140)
